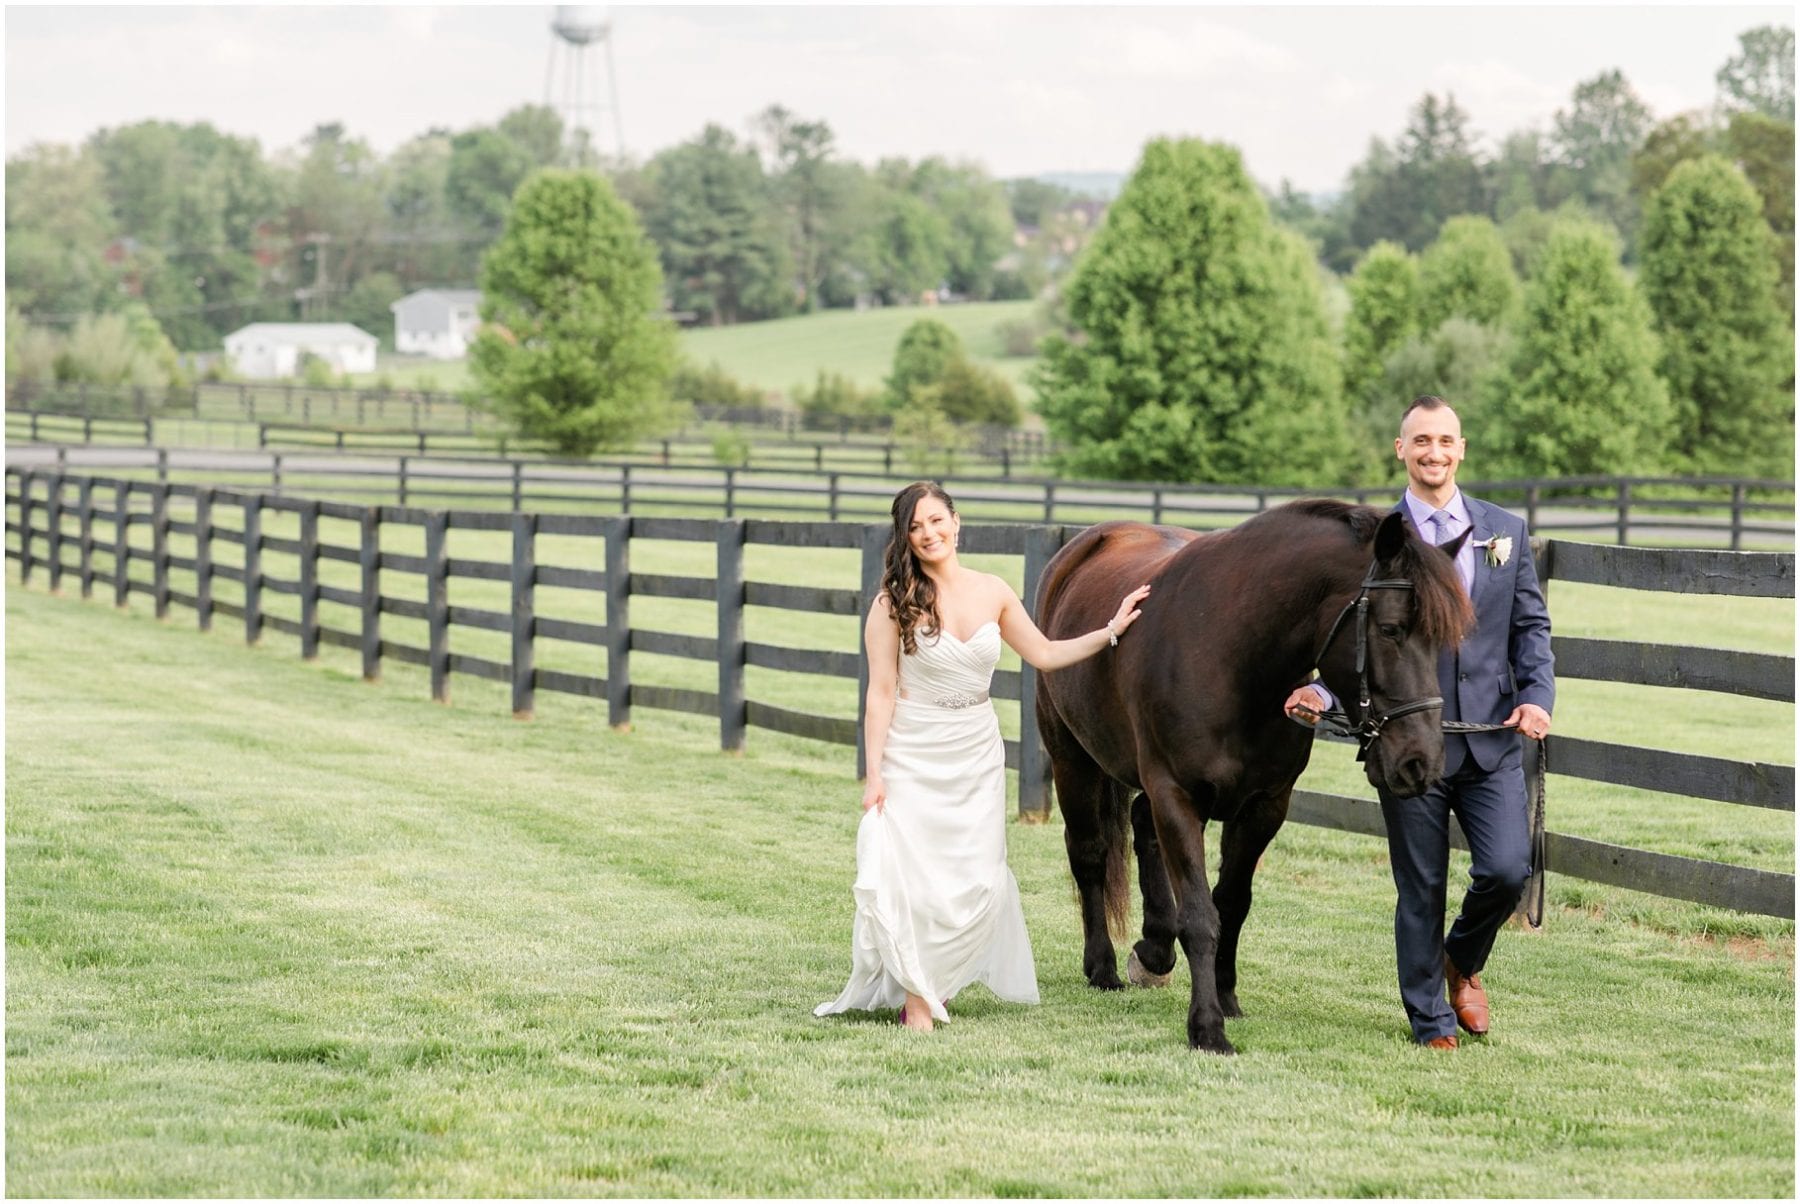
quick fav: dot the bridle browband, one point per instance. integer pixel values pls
(1368, 729)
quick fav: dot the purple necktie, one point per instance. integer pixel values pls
(1440, 522)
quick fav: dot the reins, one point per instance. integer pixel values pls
(1368, 730)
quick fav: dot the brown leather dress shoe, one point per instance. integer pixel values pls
(1467, 999)
(1441, 1043)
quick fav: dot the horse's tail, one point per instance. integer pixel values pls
(1115, 835)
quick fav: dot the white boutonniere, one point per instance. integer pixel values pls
(1499, 550)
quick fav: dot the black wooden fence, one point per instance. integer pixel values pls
(58, 523)
(1717, 511)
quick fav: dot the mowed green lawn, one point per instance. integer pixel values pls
(273, 931)
(779, 354)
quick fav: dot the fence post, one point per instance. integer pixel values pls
(275, 474)
(733, 709)
(1049, 501)
(874, 544)
(27, 480)
(369, 560)
(518, 485)
(1041, 543)
(86, 504)
(730, 492)
(203, 533)
(618, 622)
(403, 480)
(1532, 493)
(149, 436)
(624, 489)
(1156, 506)
(437, 602)
(34, 427)
(121, 543)
(87, 428)
(1624, 511)
(262, 434)
(524, 616)
(306, 409)
(309, 581)
(887, 459)
(665, 453)
(253, 568)
(159, 550)
(53, 531)
(1737, 516)
(1005, 462)
(831, 506)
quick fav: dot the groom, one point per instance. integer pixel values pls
(1502, 673)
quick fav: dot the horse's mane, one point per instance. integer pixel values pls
(1442, 610)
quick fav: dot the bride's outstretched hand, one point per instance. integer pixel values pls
(1128, 611)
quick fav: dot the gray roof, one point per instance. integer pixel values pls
(456, 296)
(305, 332)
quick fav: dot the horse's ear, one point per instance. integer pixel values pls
(1451, 547)
(1390, 537)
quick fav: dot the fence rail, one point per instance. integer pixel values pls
(1719, 511)
(52, 516)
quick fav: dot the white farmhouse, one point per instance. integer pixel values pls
(438, 322)
(272, 350)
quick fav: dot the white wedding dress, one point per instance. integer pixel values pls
(936, 906)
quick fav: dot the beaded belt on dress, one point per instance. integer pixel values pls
(951, 702)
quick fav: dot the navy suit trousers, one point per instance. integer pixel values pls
(1492, 809)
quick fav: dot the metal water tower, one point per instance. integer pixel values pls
(578, 35)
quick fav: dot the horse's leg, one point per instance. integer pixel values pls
(1181, 835)
(1241, 845)
(1087, 798)
(1155, 953)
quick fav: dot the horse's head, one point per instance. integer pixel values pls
(1382, 659)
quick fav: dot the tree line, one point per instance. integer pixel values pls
(1613, 294)
(205, 233)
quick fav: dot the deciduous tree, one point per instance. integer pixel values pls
(1204, 354)
(574, 348)
(1581, 394)
(1727, 347)
(1467, 272)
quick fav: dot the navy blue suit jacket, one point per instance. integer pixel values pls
(1506, 659)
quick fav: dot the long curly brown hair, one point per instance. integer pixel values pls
(911, 595)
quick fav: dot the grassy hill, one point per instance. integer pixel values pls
(780, 354)
(790, 351)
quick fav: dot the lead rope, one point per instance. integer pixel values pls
(1540, 844)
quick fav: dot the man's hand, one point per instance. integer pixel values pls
(1531, 719)
(1305, 704)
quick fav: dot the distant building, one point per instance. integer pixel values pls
(438, 322)
(272, 350)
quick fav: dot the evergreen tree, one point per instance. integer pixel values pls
(1467, 273)
(574, 348)
(1727, 356)
(1580, 395)
(1384, 312)
(1205, 354)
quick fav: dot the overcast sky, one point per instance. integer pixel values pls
(1021, 90)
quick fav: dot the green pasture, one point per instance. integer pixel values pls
(274, 931)
(778, 354)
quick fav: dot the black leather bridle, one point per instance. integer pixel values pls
(1368, 729)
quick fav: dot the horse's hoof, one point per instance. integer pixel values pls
(1212, 1044)
(1140, 977)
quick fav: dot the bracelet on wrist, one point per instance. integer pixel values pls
(1112, 634)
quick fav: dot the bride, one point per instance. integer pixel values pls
(936, 906)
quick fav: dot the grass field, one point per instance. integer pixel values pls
(780, 354)
(272, 931)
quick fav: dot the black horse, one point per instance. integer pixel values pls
(1183, 722)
